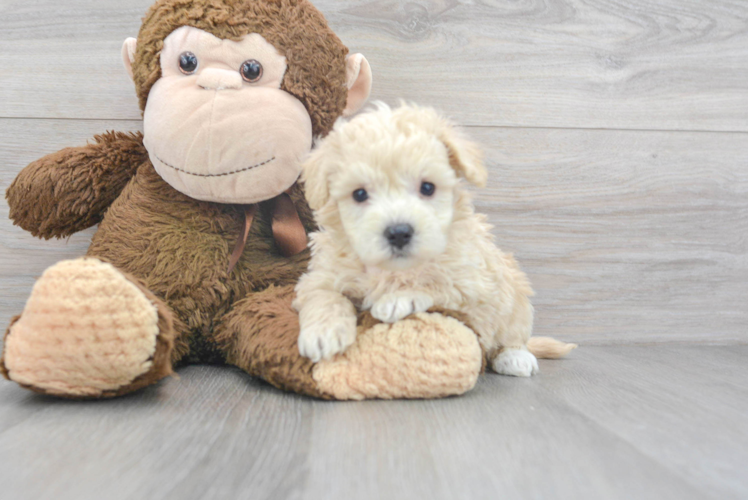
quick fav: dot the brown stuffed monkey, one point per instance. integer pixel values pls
(202, 232)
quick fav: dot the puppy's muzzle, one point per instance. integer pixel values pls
(399, 235)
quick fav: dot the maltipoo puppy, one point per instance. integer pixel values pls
(399, 235)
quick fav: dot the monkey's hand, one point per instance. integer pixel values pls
(70, 190)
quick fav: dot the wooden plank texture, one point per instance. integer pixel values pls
(610, 422)
(638, 64)
(627, 236)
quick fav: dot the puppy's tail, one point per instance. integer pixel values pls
(548, 348)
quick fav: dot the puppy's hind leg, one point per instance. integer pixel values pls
(517, 362)
(513, 357)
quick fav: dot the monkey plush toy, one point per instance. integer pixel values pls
(202, 232)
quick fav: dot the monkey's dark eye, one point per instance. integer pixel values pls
(428, 189)
(360, 195)
(187, 63)
(251, 70)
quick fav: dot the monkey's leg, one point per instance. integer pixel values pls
(88, 331)
(423, 356)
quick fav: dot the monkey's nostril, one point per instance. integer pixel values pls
(399, 235)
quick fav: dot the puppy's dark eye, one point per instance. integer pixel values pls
(360, 195)
(187, 63)
(428, 189)
(251, 71)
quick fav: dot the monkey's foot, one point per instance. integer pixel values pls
(423, 356)
(86, 331)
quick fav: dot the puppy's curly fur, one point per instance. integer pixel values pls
(399, 235)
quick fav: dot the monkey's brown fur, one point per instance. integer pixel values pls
(70, 190)
(175, 248)
(316, 57)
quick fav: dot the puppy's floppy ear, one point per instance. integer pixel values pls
(465, 156)
(314, 176)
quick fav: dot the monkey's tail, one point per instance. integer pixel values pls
(548, 348)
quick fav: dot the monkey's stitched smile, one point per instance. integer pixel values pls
(216, 175)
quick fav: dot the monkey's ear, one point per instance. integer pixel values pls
(314, 175)
(465, 156)
(128, 54)
(358, 81)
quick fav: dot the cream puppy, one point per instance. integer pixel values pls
(399, 235)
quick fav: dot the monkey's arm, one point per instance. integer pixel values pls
(70, 190)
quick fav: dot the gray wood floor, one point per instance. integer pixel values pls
(610, 422)
(616, 134)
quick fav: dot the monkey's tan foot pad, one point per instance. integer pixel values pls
(86, 331)
(423, 356)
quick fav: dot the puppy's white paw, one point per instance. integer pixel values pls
(516, 362)
(324, 340)
(393, 307)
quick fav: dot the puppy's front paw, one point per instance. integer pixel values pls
(393, 307)
(324, 340)
(516, 362)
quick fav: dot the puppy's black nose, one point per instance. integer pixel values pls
(399, 235)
